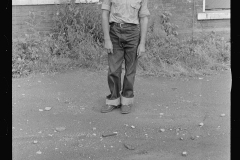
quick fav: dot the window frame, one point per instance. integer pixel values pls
(214, 14)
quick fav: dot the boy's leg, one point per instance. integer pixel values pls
(130, 66)
(115, 61)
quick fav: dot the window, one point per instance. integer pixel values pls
(215, 9)
(42, 2)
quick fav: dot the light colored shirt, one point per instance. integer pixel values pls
(126, 11)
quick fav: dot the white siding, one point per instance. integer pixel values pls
(42, 2)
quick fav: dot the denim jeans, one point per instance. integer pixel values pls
(125, 40)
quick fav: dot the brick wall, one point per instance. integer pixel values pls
(184, 14)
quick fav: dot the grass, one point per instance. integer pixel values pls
(76, 41)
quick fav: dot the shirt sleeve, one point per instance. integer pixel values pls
(144, 9)
(106, 4)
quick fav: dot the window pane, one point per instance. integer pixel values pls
(217, 4)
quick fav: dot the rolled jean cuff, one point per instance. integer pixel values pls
(126, 101)
(114, 102)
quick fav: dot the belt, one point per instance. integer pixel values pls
(121, 25)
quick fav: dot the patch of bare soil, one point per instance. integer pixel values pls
(57, 117)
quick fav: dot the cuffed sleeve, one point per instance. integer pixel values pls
(106, 5)
(144, 9)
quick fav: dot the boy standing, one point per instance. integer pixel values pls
(124, 40)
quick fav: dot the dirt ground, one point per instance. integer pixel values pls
(170, 117)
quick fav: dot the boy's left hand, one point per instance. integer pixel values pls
(141, 50)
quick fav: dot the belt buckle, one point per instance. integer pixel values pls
(120, 24)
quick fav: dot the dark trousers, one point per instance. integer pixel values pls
(125, 40)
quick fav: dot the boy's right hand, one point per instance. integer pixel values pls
(108, 45)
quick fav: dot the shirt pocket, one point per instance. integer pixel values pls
(134, 9)
(136, 5)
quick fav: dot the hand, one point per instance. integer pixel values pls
(141, 50)
(108, 45)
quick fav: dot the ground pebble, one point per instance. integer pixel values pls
(48, 108)
(192, 137)
(181, 138)
(162, 130)
(59, 129)
(35, 141)
(109, 134)
(161, 114)
(201, 124)
(133, 127)
(129, 146)
(40, 110)
(184, 153)
(39, 152)
(222, 115)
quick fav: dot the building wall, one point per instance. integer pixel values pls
(184, 14)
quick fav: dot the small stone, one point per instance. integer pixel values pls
(197, 136)
(201, 124)
(192, 137)
(129, 146)
(48, 108)
(18, 86)
(184, 153)
(60, 129)
(35, 141)
(39, 152)
(223, 115)
(133, 127)
(110, 134)
(40, 110)
(161, 114)
(200, 78)
(181, 138)
(162, 130)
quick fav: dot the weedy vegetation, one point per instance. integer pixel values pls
(76, 41)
